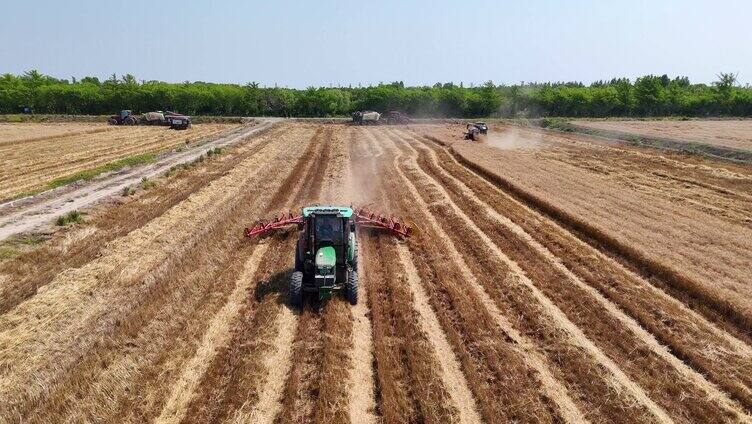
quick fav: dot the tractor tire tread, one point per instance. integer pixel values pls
(351, 287)
(296, 290)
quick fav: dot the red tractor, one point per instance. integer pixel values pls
(125, 117)
(395, 117)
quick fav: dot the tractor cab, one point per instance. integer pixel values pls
(326, 255)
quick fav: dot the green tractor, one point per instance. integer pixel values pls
(326, 254)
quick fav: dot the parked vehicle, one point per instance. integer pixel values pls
(366, 117)
(174, 120)
(178, 121)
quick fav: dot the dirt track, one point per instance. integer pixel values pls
(29, 163)
(496, 310)
(34, 212)
(735, 134)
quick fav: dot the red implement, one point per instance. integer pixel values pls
(281, 221)
(366, 218)
(361, 216)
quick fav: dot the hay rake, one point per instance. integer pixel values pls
(362, 217)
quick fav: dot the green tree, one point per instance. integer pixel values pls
(649, 95)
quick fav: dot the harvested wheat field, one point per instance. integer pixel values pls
(734, 134)
(15, 133)
(549, 279)
(34, 156)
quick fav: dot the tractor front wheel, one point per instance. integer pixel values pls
(296, 290)
(351, 287)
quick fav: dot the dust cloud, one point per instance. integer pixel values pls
(511, 138)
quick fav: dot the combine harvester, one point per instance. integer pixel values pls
(326, 255)
(476, 130)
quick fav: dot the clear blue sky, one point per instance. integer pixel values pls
(299, 44)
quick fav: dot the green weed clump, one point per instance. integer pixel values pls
(556, 124)
(109, 167)
(146, 183)
(31, 240)
(214, 151)
(13, 247)
(72, 217)
(8, 252)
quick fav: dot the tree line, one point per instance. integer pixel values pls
(650, 95)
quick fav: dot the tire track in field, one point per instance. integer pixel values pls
(216, 336)
(157, 334)
(640, 354)
(362, 406)
(632, 397)
(231, 383)
(717, 355)
(305, 370)
(451, 374)
(245, 379)
(317, 389)
(34, 270)
(278, 379)
(485, 343)
(409, 389)
(361, 381)
(332, 404)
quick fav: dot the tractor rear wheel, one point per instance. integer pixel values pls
(351, 287)
(296, 290)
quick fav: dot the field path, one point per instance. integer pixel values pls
(26, 214)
